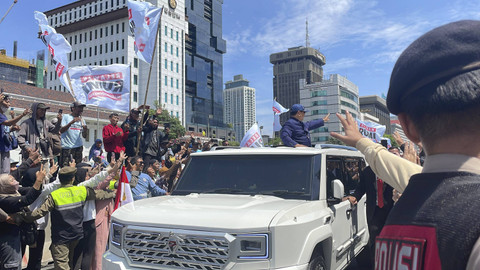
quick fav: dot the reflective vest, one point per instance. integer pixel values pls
(67, 215)
(433, 226)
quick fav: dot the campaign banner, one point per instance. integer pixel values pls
(103, 86)
(252, 138)
(371, 130)
(276, 123)
(143, 19)
(278, 108)
(56, 43)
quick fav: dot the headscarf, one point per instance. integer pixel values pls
(6, 186)
(94, 148)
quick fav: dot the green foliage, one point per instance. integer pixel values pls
(233, 143)
(275, 141)
(332, 140)
(392, 139)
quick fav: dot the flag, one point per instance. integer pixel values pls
(124, 193)
(103, 86)
(276, 122)
(371, 130)
(143, 18)
(278, 108)
(56, 43)
(252, 138)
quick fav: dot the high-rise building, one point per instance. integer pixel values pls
(99, 33)
(377, 107)
(289, 67)
(239, 105)
(204, 49)
(332, 95)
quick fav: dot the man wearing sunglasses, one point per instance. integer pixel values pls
(142, 184)
(295, 133)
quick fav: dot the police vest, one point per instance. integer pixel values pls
(433, 226)
(67, 216)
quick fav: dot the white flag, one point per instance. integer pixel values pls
(143, 18)
(278, 108)
(276, 122)
(371, 130)
(252, 138)
(104, 86)
(56, 43)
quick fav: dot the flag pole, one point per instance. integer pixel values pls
(11, 6)
(72, 92)
(139, 136)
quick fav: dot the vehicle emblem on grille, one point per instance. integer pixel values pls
(173, 242)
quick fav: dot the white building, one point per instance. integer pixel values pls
(99, 33)
(239, 105)
(332, 95)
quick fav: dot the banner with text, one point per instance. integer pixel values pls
(56, 43)
(103, 86)
(371, 130)
(143, 18)
(253, 138)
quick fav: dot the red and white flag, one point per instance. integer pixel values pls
(124, 193)
(143, 18)
(253, 138)
(56, 43)
(278, 108)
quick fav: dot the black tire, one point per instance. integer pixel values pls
(317, 263)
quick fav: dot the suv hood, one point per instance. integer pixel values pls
(212, 211)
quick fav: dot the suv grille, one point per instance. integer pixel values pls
(176, 250)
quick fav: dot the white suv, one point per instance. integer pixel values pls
(262, 208)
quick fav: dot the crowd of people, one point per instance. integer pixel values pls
(55, 178)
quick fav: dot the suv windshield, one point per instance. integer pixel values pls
(287, 177)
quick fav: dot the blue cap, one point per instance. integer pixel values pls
(297, 107)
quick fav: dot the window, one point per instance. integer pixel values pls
(177, 67)
(166, 31)
(135, 96)
(117, 45)
(135, 79)
(106, 47)
(317, 112)
(166, 81)
(135, 62)
(111, 46)
(171, 49)
(166, 99)
(123, 59)
(123, 27)
(116, 60)
(177, 102)
(80, 38)
(177, 83)
(101, 31)
(96, 32)
(106, 31)
(171, 98)
(177, 114)
(319, 93)
(348, 105)
(171, 65)
(177, 35)
(171, 33)
(100, 48)
(79, 54)
(319, 102)
(177, 51)
(75, 39)
(166, 47)
(118, 28)
(349, 95)
(166, 64)
(111, 61)
(111, 29)
(90, 51)
(171, 113)
(171, 82)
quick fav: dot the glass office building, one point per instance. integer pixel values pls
(204, 49)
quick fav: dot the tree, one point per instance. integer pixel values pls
(392, 139)
(275, 141)
(176, 128)
(332, 140)
(233, 143)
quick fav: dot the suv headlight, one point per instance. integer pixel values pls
(116, 234)
(253, 246)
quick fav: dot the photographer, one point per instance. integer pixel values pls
(34, 132)
(5, 140)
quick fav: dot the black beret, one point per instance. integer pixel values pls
(438, 55)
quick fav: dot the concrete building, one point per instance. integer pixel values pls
(239, 105)
(204, 49)
(332, 95)
(377, 107)
(396, 127)
(289, 67)
(21, 71)
(99, 33)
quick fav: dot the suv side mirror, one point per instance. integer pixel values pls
(338, 189)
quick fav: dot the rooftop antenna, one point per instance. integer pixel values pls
(307, 39)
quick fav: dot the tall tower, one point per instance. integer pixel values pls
(239, 105)
(204, 49)
(289, 67)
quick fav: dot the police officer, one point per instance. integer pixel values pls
(66, 206)
(295, 133)
(435, 91)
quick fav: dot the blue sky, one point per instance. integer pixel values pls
(360, 39)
